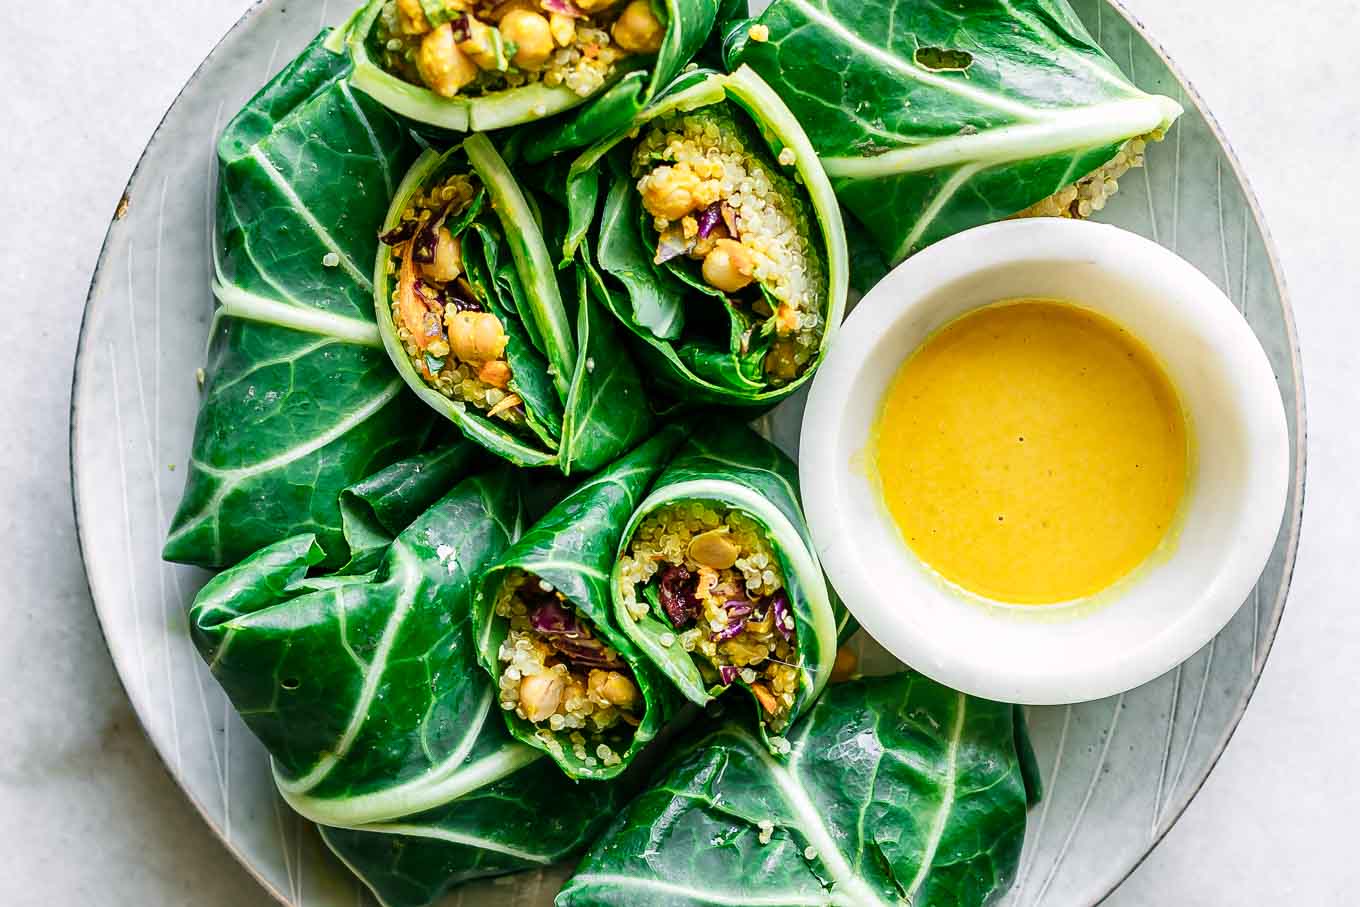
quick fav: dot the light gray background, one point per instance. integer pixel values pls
(87, 814)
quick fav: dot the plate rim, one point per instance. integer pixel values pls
(1291, 526)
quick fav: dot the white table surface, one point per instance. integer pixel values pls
(89, 817)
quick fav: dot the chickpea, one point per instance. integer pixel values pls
(476, 336)
(714, 549)
(638, 30)
(669, 192)
(532, 36)
(448, 258)
(442, 66)
(541, 694)
(411, 18)
(478, 45)
(613, 688)
(729, 267)
(574, 696)
(563, 29)
(495, 373)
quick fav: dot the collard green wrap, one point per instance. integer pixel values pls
(608, 234)
(299, 400)
(529, 820)
(366, 692)
(897, 791)
(932, 118)
(635, 81)
(732, 467)
(582, 400)
(572, 548)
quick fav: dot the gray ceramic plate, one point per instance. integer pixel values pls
(1118, 772)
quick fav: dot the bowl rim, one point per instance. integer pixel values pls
(910, 298)
(1294, 518)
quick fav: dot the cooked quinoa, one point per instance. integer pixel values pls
(453, 342)
(714, 198)
(1091, 193)
(559, 675)
(472, 47)
(711, 573)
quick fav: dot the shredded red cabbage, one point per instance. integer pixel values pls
(727, 674)
(738, 607)
(551, 619)
(563, 8)
(398, 234)
(731, 631)
(561, 630)
(676, 590)
(426, 239)
(459, 295)
(587, 652)
(783, 615)
(462, 30)
(709, 218)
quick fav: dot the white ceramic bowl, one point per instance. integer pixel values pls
(1169, 607)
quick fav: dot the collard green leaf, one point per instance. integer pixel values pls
(655, 298)
(667, 307)
(367, 694)
(897, 791)
(581, 395)
(731, 466)
(375, 510)
(933, 118)
(299, 401)
(572, 548)
(607, 408)
(529, 820)
(633, 85)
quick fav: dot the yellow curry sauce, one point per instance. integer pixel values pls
(1032, 452)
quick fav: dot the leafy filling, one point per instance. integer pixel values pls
(714, 200)
(557, 674)
(472, 47)
(455, 344)
(711, 574)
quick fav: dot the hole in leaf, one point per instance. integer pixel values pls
(290, 683)
(943, 59)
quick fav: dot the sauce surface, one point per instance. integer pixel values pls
(1032, 452)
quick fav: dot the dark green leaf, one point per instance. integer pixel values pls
(934, 118)
(897, 791)
(679, 320)
(530, 820)
(374, 510)
(607, 409)
(631, 87)
(573, 548)
(561, 375)
(731, 466)
(299, 400)
(366, 695)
